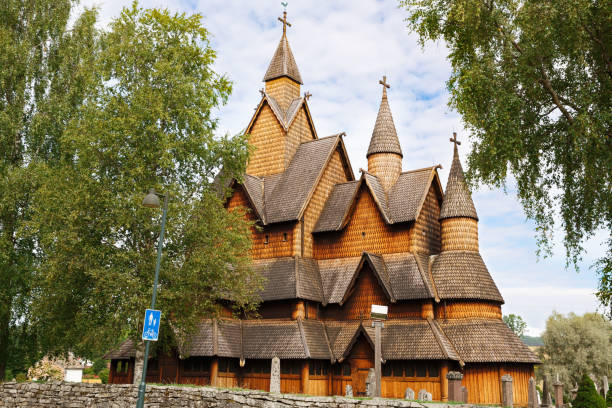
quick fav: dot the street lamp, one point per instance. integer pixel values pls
(151, 200)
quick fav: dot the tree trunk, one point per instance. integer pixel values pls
(138, 362)
(4, 340)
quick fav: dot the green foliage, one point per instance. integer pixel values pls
(516, 324)
(609, 398)
(574, 345)
(21, 377)
(103, 374)
(587, 396)
(147, 122)
(98, 365)
(532, 81)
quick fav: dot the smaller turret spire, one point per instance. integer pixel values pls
(457, 199)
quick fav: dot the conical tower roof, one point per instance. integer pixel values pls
(384, 136)
(457, 198)
(283, 63)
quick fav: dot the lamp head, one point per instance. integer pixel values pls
(151, 200)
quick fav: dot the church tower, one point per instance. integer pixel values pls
(458, 214)
(385, 154)
(283, 78)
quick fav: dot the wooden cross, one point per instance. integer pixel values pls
(454, 139)
(285, 22)
(262, 92)
(384, 83)
(307, 95)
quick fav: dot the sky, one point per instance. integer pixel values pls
(342, 49)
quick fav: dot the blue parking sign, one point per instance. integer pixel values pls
(150, 330)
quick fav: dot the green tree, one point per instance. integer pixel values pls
(575, 345)
(609, 398)
(516, 324)
(147, 123)
(587, 396)
(41, 84)
(532, 81)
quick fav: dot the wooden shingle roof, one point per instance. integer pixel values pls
(283, 64)
(487, 340)
(457, 198)
(463, 275)
(125, 351)
(290, 278)
(384, 136)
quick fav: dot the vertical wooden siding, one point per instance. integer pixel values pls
(483, 383)
(333, 174)
(425, 234)
(459, 309)
(366, 231)
(268, 139)
(396, 388)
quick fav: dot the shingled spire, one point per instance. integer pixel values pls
(283, 78)
(283, 64)
(457, 199)
(385, 154)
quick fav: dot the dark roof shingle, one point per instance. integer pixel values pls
(457, 198)
(283, 63)
(336, 207)
(384, 136)
(463, 275)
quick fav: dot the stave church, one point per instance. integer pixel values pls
(332, 243)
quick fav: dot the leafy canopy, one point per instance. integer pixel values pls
(146, 122)
(516, 324)
(575, 345)
(532, 81)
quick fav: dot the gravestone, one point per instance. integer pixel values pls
(558, 387)
(454, 385)
(532, 394)
(507, 397)
(275, 380)
(547, 401)
(348, 391)
(370, 383)
(424, 396)
(409, 394)
(606, 387)
(464, 394)
(593, 378)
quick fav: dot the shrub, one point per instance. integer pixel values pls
(609, 398)
(98, 365)
(104, 375)
(587, 396)
(21, 377)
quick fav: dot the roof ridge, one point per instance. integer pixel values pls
(324, 138)
(303, 337)
(439, 332)
(437, 166)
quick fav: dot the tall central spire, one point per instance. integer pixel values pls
(283, 64)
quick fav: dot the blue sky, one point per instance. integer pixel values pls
(342, 49)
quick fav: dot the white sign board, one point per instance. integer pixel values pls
(379, 312)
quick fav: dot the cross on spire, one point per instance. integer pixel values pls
(384, 83)
(285, 22)
(307, 95)
(454, 139)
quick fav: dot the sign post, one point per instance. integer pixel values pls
(150, 329)
(378, 314)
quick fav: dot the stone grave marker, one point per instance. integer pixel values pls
(454, 385)
(370, 383)
(275, 380)
(507, 397)
(409, 394)
(532, 394)
(464, 394)
(424, 396)
(348, 391)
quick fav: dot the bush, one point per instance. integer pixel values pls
(587, 396)
(98, 365)
(103, 374)
(609, 398)
(21, 377)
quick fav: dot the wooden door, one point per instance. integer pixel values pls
(361, 360)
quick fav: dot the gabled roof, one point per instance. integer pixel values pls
(377, 265)
(407, 278)
(124, 351)
(458, 199)
(283, 63)
(285, 119)
(402, 204)
(384, 136)
(290, 278)
(463, 275)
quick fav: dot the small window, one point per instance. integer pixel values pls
(386, 370)
(408, 369)
(421, 370)
(284, 237)
(267, 239)
(433, 370)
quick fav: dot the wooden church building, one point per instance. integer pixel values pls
(331, 244)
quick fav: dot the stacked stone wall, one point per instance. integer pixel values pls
(80, 395)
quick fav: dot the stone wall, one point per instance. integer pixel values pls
(78, 395)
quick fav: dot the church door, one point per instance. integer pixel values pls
(361, 360)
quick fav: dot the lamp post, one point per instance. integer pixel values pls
(378, 314)
(151, 200)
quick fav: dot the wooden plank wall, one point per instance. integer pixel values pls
(483, 382)
(459, 309)
(425, 234)
(520, 381)
(366, 231)
(396, 388)
(333, 174)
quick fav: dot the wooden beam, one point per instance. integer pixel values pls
(214, 372)
(444, 381)
(305, 376)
